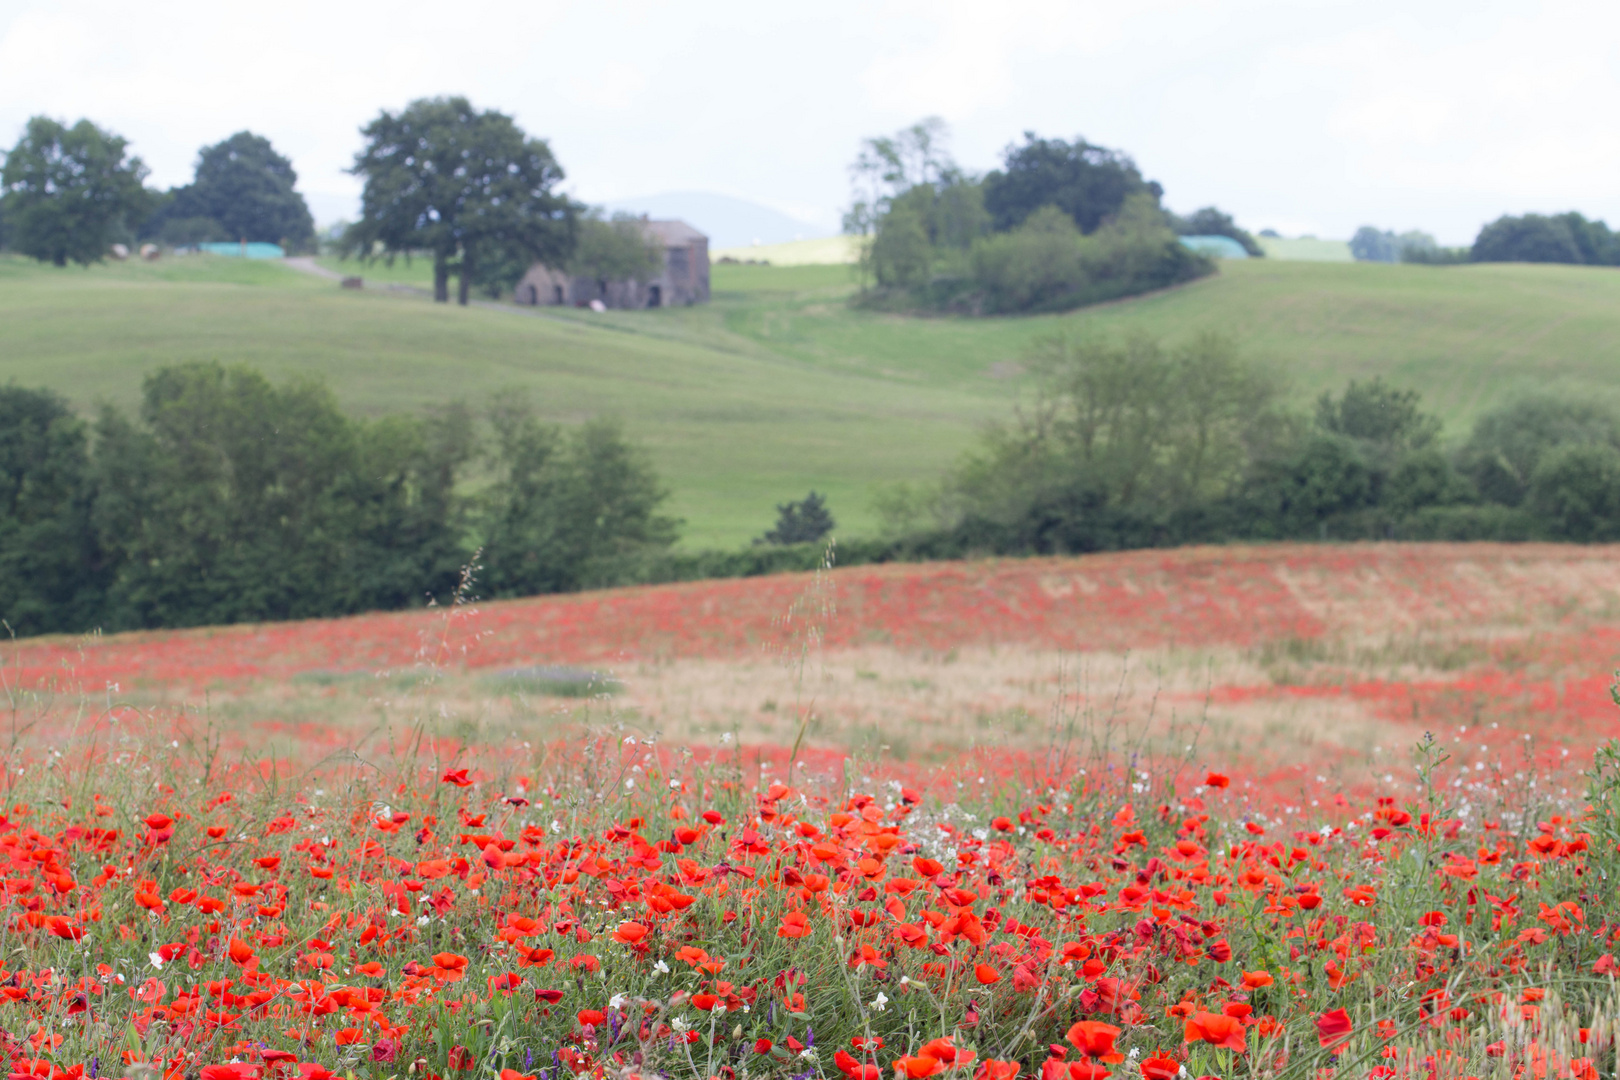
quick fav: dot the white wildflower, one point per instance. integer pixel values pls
(661, 968)
(880, 1003)
(157, 960)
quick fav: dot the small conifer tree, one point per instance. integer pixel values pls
(804, 521)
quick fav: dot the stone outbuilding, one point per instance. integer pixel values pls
(683, 279)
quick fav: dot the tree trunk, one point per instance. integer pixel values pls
(441, 279)
(466, 274)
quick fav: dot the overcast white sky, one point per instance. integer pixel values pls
(1308, 116)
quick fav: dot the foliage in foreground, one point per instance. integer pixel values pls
(230, 499)
(626, 911)
(1130, 444)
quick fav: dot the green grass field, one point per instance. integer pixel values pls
(779, 386)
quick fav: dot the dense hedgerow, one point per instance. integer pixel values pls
(229, 499)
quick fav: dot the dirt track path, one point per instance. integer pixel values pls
(306, 264)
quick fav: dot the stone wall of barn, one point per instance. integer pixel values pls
(684, 280)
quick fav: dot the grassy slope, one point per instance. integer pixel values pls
(778, 385)
(735, 427)
(1468, 337)
(418, 272)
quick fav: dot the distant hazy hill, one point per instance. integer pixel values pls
(728, 222)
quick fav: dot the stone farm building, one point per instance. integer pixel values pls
(683, 279)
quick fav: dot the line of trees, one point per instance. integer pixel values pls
(227, 498)
(1537, 238)
(67, 194)
(1135, 444)
(466, 188)
(1061, 224)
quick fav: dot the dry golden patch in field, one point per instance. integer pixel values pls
(1277, 652)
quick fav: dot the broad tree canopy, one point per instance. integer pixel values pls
(615, 249)
(468, 186)
(1558, 238)
(69, 193)
(1087, 182)
(245, 188)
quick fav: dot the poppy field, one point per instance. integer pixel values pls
(1295, 811)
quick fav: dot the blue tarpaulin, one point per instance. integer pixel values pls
(251, 251)
(1216, 247)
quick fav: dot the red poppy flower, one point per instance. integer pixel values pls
(1333, 1027)
(1086, 1070)
(946, 1051)
(1160, 1068)
(1216, 1029)
(629, 933)
(1096, 1040)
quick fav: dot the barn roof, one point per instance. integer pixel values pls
(1219, 247)
(673, 233)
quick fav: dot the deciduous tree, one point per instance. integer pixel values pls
(247, 189)
(69, 192)
(466, 186)
(616, 249)
(1085, 181)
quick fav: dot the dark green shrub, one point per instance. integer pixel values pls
(569, 509)
(1575, 492)
(52, 573)
(805, 521)
(1506, 445)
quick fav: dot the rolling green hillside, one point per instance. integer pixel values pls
(735, 426)
(778, 386)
